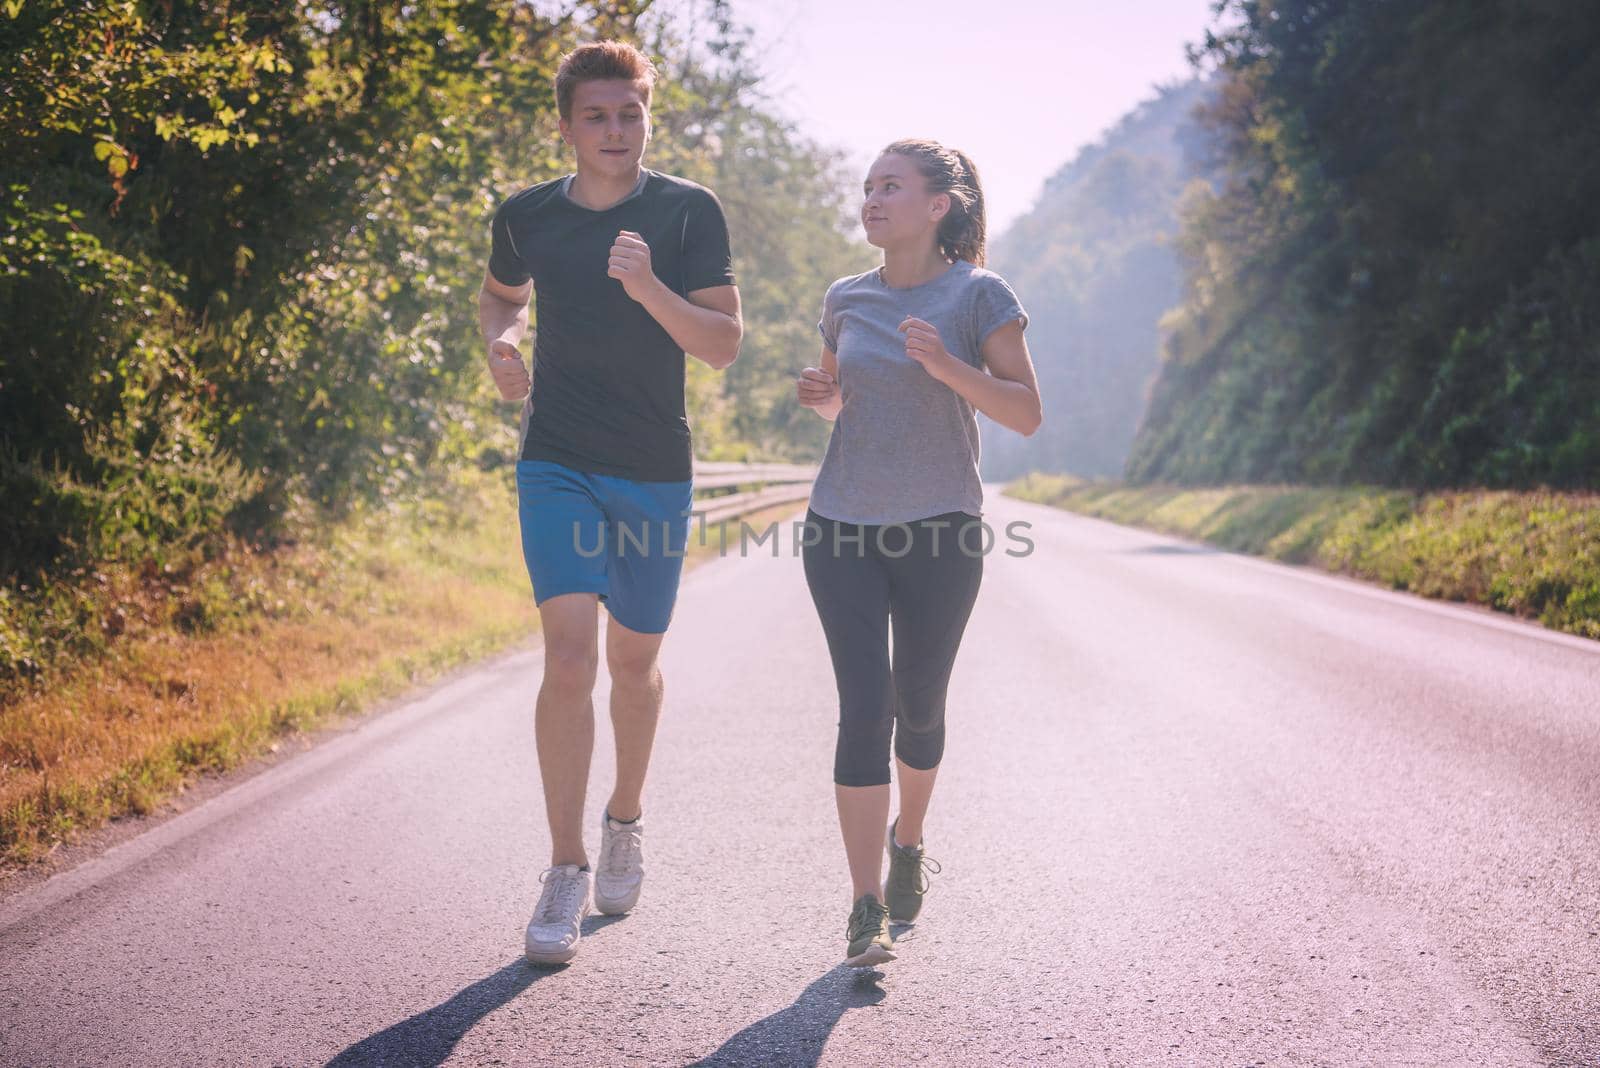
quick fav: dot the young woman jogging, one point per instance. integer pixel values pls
(912, 350)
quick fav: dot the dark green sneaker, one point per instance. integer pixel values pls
(869, 934)
(909, 868)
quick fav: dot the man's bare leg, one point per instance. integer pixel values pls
(637, 693)
(564, 718)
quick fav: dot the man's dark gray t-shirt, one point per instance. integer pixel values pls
(905, 445)
(608, 380)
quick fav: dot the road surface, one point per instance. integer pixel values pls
(1196, 809)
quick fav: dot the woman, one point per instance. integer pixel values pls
(911, 351)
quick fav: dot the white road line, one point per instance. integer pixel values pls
(1483, 616)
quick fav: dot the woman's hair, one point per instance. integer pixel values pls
(962, 231)
(602, 60)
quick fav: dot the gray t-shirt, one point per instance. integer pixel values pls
(905, 446)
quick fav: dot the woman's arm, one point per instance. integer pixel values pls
(818, 387)
(1008, 392)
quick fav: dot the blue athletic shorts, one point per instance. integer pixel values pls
(620, 539)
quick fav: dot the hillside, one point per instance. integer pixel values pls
(1095, 266)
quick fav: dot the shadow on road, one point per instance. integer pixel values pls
(428, 1038)
(796, 1035)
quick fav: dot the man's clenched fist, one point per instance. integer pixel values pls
(510, 373)
(630, 265)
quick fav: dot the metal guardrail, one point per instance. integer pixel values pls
(773, 484)
(721, 475)
(711, 466)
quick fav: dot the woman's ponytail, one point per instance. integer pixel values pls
(963, 231)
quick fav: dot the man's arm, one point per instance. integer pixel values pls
(707, 324)
(503, 320)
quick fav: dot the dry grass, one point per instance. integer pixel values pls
(323, 629)
(261, 646)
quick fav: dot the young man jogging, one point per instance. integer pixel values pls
(630, 269)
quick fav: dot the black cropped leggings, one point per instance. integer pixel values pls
(921, 578)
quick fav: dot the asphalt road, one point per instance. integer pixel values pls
(1196, 809)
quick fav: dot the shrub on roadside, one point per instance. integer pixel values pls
(1534, 554)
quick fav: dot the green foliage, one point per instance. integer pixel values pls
(99, 74)
(244, 241)
(120, 454)
(1396, 283)
(237, 263)
(241, 254)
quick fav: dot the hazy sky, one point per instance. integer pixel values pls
(1020, 85)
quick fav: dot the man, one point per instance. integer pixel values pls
(631, 269)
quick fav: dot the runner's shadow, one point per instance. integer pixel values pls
(429, 1038)
(796, 1035)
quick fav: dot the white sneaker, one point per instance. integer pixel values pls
(553, 933)
(619, 876)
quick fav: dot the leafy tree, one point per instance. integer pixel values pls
(1392, 285)
(244, 241)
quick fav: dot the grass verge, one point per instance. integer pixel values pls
(203, 669)
(1532, 553)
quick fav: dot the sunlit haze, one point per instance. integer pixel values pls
(1019, 86)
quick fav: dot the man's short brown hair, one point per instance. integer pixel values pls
(602, 60)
